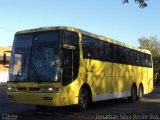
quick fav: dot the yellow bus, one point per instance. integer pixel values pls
(60, 66)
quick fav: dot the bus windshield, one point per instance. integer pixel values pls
(20, 57)
(36, 57)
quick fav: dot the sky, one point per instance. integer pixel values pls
(123, 22)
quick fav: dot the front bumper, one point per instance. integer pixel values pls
(46, 99)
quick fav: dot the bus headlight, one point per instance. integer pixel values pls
(11, 89)
(49, 89)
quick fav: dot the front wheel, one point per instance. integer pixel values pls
(83, 99)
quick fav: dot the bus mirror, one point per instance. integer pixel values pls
(70, 47)
(89, 55)
(6, 58)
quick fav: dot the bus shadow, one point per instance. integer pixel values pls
(109, 104)
(92, 106)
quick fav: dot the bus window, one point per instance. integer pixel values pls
(102, 50)
(70, 57)
(86, 46)
(67, 75)
(20, 57)
(148, 61)
(45, 57)
(94, 48)
(108, 51)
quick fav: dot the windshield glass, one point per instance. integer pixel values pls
(36, 57)
(20, 57)
(45, 57)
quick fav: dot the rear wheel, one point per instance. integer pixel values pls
(83, 99)
(140, 92)
(133, 93)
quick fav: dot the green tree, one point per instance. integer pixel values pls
(153, 44)
(141, 3)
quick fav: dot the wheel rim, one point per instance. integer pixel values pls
(83, 99)
(140, 92)
(134, 93)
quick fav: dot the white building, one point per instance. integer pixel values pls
(3, 71)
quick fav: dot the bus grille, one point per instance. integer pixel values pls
(21, 88)
(32, 89)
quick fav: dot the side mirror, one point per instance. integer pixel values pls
(89, 55)
(6, 58)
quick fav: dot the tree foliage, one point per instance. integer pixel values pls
(153, 44)
(142, 3)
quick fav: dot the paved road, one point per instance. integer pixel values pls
(147, 108)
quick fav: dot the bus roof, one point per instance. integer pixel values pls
(82, 32)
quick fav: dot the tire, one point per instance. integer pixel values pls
(133, 96)
(83, 99)
(140, 92)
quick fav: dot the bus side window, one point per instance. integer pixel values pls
(148, 61)
(136, 58)
(102, 50)
(86, 46)
(94, 45)
(70, 57)
(127, 56)
(131, 60)
(143, 59)
(67, 66)
(114, 53)
(108, 51)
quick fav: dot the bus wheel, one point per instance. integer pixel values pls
(140, 92)
(83, 99)
(133, 93)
